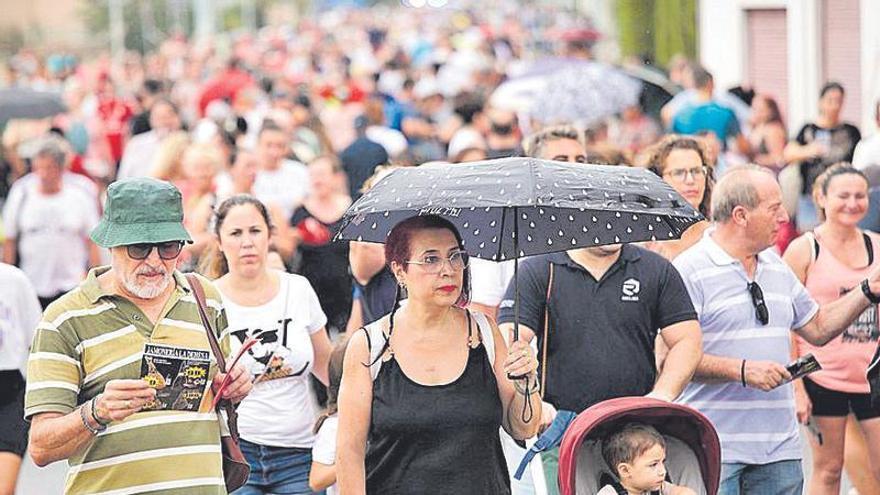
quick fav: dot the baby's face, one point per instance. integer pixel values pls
(648, 470)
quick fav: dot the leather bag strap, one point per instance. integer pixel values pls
(199, 295)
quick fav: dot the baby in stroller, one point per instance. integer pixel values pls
(637, 454)
(692, 449)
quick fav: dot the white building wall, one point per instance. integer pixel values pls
(870, 15)
(804, 62)
(723, 51)
(722, 40)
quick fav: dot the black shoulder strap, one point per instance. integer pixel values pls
(367, 335)
(869, 246)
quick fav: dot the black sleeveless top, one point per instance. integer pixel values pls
(439, 439)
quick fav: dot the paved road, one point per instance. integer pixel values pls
(41, 481)
(50, 480)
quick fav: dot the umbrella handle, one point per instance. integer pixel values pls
(515, 287)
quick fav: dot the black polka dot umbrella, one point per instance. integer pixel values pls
(515, 207)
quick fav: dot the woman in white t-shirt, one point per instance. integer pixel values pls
(282, 312)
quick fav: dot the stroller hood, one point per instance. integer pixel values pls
(671, 420)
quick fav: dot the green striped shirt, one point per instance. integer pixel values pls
(89, 337)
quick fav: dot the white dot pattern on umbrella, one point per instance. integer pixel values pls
(559, 202)
(485, 240)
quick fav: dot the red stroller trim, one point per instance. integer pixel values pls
(675, 420)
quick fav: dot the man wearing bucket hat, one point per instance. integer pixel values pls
(84, 393)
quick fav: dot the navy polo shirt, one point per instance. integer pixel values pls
(601, 332)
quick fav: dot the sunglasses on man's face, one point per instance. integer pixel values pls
(167, 250)
(758, 302)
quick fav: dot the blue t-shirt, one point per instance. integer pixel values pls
(707, 117)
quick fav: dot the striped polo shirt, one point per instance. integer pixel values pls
(755, 427)
(89, 337)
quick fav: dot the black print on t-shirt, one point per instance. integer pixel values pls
(271, 354)
(864, 328)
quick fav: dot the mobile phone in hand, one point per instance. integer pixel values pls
(815, 431)
(803, 366)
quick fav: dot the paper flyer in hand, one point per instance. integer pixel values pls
(179, 375)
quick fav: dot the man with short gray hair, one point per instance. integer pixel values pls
(47, 217)
(748, 302)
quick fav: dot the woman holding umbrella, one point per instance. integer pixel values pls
(425, 389)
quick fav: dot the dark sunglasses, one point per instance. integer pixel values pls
(758, 302)
(167, 250)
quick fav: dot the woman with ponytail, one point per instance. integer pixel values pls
(425, 388)
(282, 312)
(832, 260)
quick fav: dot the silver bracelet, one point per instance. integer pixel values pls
(85, 422)
(93, 404)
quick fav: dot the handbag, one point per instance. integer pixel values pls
(235, 467)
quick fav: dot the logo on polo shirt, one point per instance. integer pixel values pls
(631, 288)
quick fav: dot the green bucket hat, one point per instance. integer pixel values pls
(141, 210)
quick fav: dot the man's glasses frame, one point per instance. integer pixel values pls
(167, 250)
(759, 303)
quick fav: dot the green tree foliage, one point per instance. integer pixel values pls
(147, 22)
(657, 29)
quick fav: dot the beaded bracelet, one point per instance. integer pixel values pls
(85, 422)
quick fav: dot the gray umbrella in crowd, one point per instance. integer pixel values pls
(22, 103)
(514, 207)
(566, 91)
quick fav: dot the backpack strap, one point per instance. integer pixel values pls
(486, 335)
(376, 340)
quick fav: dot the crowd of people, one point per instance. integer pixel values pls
(371, 368)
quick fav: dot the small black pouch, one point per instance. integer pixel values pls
(874, 379)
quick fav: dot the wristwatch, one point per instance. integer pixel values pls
(866, 290)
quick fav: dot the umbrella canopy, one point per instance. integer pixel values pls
(657, 89)
(22, 103)
(585, 94)
(515, 207)
(580, 84)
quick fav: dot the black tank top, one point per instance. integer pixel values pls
(439, 439)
